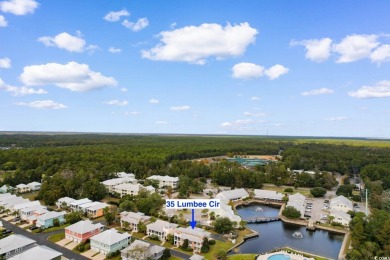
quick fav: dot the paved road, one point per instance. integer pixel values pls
(41, 239)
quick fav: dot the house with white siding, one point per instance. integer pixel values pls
(22, 188)
(75, 205)
(111, 183)
(268, 195)
(165, 181)
(340, 217)
(232, 195)
(133, 219)
(341, 203)
(194, 236)
(27, 212)
(34, 185)
(161, 229)
(131, 189)
(64, 202)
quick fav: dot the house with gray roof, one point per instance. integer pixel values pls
(341, 203)
(268, 195)
(142, 250)
(160, 229)
(109, 241)
(133, 219)
(15, 244)
(194, 236)
(38, 252)
(232, 195)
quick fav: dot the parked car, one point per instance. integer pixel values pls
(16, 219)
(7, 231)
(33, 227)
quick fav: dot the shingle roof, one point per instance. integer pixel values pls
(160, 224)
(83, 226)
(233, 194)
(51, 214)
(268, 194)
(110, 237)
(13, 242)
(44, 253)
(341, 199)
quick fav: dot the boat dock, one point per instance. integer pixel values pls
(261, 219)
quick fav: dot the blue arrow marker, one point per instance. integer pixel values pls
(193, 222)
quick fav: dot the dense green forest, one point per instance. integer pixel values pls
(73, 165)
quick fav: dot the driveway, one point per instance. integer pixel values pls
(41, 239)
(90, 253)
(63, 242)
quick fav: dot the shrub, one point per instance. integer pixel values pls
(154, 237)
(291, 212)
(288, 190)
(318, 192)
(211, 242)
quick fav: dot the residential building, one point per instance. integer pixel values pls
(111, 183)
(32, 219)
(196, 257)
(133, 219)
(82, 230)
(25, 213)
(268, 195)
(96, 210)
(47, 220)
(15, 244)
(232, 195)
(75, 205)
(341, 203)
(64, 202)
(125, 175)
(109, 241)
(18, 207)
(6, 196)
(131, 189)
(194, 236)
(165, 181)
(340, 217)
(34, 185)
(297, 201)
(22, 188)
(161, 229)
(44, 253)
(147, 251)
(8, 204)
(225, 210)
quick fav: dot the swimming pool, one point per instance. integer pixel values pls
(279, 257)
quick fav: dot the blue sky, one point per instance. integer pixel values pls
(199, 67)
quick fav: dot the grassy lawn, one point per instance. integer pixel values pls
(48, 230)
(31, 196)
(138, 235)
(303, 191)
(212, 254)
(174, 258)
(56, 237)
(242, 257)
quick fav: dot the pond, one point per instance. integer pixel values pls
(274, 235)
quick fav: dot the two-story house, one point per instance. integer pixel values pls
(109, 241)
(82, 230)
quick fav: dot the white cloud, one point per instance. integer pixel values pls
(316, 92)
(132, 113)
(246, 70)
(73, 76)
(5, 63)
(180, 108)
(336, 118)
(18, 7)
(194, 44)
(317, 50)
(67, 42)
(254, 98)
(20, 91)
(380, 90)
(161, 122)
(114, 50)
(237, 123)
(154, 101)
(116, 16)
(254, 114)
(142, 23)
(381, 54)
(3, 21)
(116, 102)
(355, 47)
(275, 71)
(44, 104)
(123, 89)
